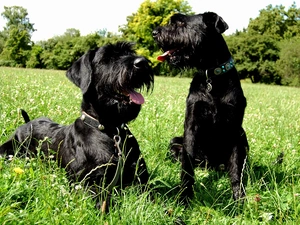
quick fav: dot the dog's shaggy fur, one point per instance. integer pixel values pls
(89, 148)
(213, 133)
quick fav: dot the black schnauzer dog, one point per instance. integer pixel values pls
(213, 134)
(98, 148)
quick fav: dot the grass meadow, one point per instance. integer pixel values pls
(33, 191)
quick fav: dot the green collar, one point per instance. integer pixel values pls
(216, 71)
(221, 69)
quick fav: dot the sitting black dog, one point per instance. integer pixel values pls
(213, 134)
(98, 145)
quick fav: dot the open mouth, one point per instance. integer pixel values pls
(165, 55)
(135, 97)
(129, 97)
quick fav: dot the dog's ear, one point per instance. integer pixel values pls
(215, 21)
(177, 18)
(80, 73)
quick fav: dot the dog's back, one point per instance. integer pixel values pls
(34, 133)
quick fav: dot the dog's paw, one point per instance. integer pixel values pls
(186, 194)
(176, 152)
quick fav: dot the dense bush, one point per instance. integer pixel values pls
(288, 66)
(255, 57)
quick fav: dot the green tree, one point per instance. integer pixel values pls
(61, 51)
(255, 56)
(71, 33)
(292, 21)
(16, 16)
(151, 14)
(288, 66)
(35, 58)
(2, 40)
(256, 50)
(18, 30)
(16, 47)
(277, 22)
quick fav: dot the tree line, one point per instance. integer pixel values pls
(267, 51)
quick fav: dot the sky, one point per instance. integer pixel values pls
(52, 18)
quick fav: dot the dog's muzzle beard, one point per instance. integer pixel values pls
(178, 57)
(129, 97)
(127, 84)
(169, 44)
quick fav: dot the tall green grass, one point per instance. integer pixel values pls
(35, 191)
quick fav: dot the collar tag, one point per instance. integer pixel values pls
(208, 85)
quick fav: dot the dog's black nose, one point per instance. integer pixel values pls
(140, 62)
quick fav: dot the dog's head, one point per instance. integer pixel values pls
(187, 40)
(110, 78)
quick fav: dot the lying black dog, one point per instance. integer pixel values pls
(213, 133)
(98, 145)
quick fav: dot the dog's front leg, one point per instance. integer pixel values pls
(142, 172)
(237, 163)
(7, 149)
(188, 157)
(187, 174)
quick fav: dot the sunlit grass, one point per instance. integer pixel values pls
(36, 191)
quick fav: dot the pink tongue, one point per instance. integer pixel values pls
(163, 56)
(136, 97)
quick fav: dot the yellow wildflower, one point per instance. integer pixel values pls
(18, 170)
